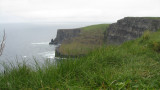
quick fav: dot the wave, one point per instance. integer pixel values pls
(41, 43)
(49, 54)
(24, 56)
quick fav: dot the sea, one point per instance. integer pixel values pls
(29, 42)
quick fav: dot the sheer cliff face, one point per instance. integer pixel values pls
(130, 28)
(65, 34)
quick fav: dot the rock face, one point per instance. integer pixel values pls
(130, 28)
(65, 34)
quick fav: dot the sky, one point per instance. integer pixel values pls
(76, 10)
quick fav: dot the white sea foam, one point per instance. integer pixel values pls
(49, 54)
(24, 56)
(41, 43)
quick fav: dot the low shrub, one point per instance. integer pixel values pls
(155, 45)
(146, 35)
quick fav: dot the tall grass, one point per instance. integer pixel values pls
(132, 65)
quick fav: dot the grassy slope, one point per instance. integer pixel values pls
(91, 37)
(134, 64)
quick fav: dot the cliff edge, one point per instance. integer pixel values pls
(130, 28)
(65, 34)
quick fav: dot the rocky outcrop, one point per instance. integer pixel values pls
(52, 42)
(130, 28)
(65, 34)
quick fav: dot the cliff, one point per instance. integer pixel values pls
(65, 34)
(77, 42)
(89, 38)
(130, 28)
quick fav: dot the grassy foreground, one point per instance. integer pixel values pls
(132, 65)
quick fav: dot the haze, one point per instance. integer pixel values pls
(75, 10)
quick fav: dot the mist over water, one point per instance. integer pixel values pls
(29, 41)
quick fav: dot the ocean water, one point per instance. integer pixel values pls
(30, 41)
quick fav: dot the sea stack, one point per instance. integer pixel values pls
(52, 42)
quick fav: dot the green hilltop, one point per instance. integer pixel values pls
(90, 38)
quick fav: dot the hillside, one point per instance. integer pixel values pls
(92, 37)
(132, 65)
(130, 28)
(88, 39)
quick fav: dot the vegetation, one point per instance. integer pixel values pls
(132, 65)
(90, 38)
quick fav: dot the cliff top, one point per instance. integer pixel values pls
(69, 29)
(144, 17)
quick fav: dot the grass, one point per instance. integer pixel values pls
(132, 65)
(90, 38)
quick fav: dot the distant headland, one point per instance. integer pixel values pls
(91, 37)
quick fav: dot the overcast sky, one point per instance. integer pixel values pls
(75, 10)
